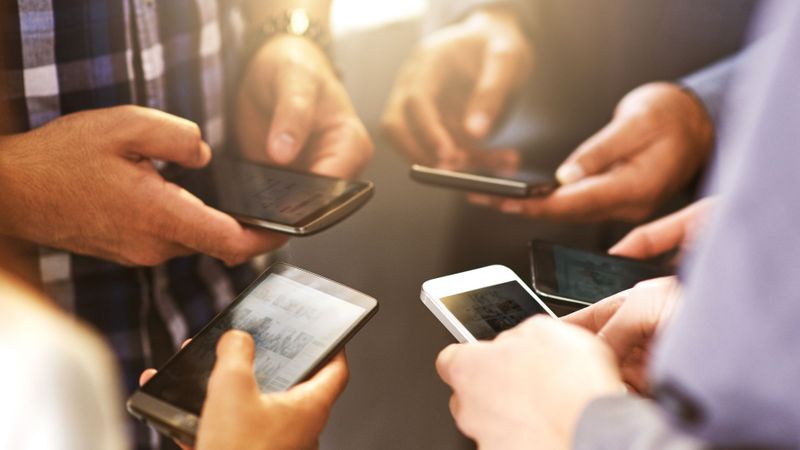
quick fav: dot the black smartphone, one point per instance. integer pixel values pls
(280, 199)
(519, 184)
(578, 277)
(298, 321)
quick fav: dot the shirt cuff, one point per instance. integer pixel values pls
(710, 85)
(627, 421)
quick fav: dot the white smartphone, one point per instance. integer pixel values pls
(480, 304)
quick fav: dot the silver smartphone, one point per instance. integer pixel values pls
(481, 303)
(520, 184)
(280, 199)
(298, 320)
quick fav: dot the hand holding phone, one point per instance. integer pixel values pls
(481, 303)
(237, 415)
(298, 321)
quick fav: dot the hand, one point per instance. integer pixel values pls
(455, 86)
(529, 386)
(293, 111)
(675, 230)
(628, 321)
(86, 183)
(236, 415)
(659, 139)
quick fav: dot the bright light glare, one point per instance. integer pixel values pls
(358, 14)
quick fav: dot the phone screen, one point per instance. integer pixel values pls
(294, 327)
(590, 277)
(488, 311)
(276, 195)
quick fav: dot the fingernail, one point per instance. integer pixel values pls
(478, 124)
(511, 208)
(235, 339)
(283, 148)
(569, 173)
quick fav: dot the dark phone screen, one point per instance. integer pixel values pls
(293, 325)
(590, 277)
(276, 195)
(488, 311)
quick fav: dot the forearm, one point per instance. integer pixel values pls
(626, 421)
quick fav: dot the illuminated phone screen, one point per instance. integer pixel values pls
(294, 327)
(488, 311)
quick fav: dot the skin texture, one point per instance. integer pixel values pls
(658, 140)
(86, 183)
(529, 386)
(310, 123)
(673, 231)
(236, 415)
(452, 91)
(628, 323)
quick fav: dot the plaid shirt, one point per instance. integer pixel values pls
(73, 55)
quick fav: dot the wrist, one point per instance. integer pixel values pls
(297, 23)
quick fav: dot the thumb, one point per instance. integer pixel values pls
(616, 141)
(235, 349)
(159, 135)
(493, 86)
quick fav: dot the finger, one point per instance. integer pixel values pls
(634, 323)
(295, 94)
(187, 220)
(494, 84)
(159, 135)
(146, 376)
(595, 317)
(455, 406)
(397, 129)
(235, 349)
(609, 146)
(502, 161)
(186, 342)
(341, 151)
(327, 384)
(595, 198)
(425, 119)
(444, 362)
(657, 237)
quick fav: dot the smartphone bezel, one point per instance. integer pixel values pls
(178, 423)
(433, 291)
(480, 183)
